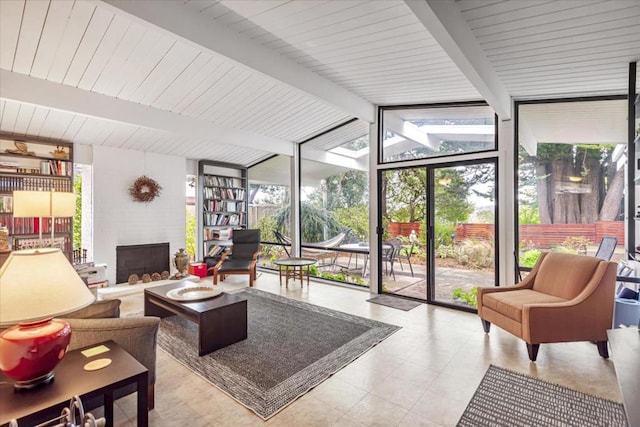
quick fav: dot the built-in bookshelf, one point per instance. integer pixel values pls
(35, 164)
(222, 203)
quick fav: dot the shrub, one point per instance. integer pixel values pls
(469, 298)
(529, 258)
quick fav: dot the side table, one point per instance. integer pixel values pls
(38, 405)
(294, 267)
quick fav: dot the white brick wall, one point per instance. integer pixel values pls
(118, 220)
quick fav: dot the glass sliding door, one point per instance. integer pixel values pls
(439, 231)
(404, 211)
(463, 240)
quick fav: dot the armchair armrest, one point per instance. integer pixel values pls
(137, 335)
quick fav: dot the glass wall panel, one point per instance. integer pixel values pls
(270, 206)
(334, 201)
(571, 169)
(417, 133)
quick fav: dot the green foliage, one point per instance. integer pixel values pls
(528, 215)
(77, 216)
(444, 230)
(404, 193)
(347, 189)
(530, 257)
(469, 298)
(343, 277)
(190, 243)
(451, 199)
(356, 218)
(266, 224)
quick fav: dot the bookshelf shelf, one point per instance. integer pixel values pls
(35, 164)
(222, 203)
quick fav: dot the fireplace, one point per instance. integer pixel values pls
(141, 259)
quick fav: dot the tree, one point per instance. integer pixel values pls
(574, 183)
(404, 194)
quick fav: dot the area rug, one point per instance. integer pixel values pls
(291, 347)
(507, 398)
(394, 302)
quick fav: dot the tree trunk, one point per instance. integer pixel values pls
(590, 202)
(544, 186)
(615, 192)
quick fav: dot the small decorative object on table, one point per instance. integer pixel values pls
(181, 260)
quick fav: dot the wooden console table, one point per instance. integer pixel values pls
(625, 350)
(32, 407)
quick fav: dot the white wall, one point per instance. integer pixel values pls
(118, 220)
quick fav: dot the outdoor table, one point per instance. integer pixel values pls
(361, 248)
(294, 267)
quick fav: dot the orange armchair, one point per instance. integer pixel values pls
(565, 298)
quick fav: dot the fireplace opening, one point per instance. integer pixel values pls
(140, 259)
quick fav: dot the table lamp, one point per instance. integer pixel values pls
(62, 205)
(35, 285)
(32, 204)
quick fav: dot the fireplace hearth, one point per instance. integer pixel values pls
(140, 259)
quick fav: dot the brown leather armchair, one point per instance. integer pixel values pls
(564, 298)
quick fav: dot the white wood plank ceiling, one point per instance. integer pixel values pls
(195, 75)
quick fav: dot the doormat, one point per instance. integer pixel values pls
(507, 398)
(292, 346)
(394, 302)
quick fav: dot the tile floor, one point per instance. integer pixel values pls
(423, 375)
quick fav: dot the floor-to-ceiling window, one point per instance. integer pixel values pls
(571, 161)
(439, 215)
(334, 203)
(270, 207)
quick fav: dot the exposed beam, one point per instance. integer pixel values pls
(410, 131)
(31, 90)
(203, 33)
(448, 27)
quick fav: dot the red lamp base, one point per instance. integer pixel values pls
(30, 351)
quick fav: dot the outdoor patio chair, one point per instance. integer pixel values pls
(241, 258)
(283, 241)
(606, 248)
(401, 252)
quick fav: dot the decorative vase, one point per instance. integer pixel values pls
(31, 350)
(180, 261)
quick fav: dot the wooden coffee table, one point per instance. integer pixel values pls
(221, 320)
(295, 268)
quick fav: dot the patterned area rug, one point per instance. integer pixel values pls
(292, 346)
(506, 398)
(394, 302)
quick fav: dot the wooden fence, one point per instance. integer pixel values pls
(548, 234)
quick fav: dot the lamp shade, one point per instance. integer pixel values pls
(62, 204)
(38, 283)
(31, 204)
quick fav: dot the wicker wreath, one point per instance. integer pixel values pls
(144, 189)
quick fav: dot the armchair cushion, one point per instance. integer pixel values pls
(231, 264)
(565, 275)
(511, 304)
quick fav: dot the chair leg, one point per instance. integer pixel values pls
(603, 349)
(486, 325)
(410, 266)
(532, 349)
(250, 280)
(215, 277)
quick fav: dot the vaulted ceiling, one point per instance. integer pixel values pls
(240, 80)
